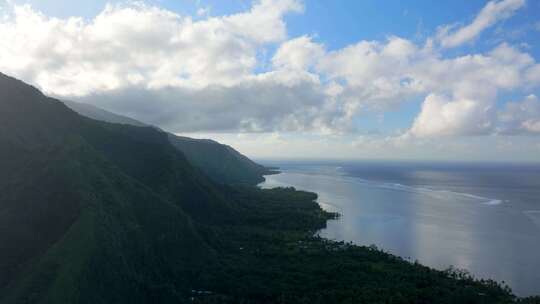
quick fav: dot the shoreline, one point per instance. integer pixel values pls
(406, 257)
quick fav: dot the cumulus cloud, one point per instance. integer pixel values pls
(461, 91)
(138, 45)
(375, 74)
(464, 91)
(442, 116)
(521, 117)
(207, 75)
(164, 68)
(493, 12)
(533, 75)
(299, 53)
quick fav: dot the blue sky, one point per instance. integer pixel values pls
(304, 50)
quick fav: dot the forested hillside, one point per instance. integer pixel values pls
(220, 162)
(94, 212)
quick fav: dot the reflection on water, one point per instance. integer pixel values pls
(491, 237)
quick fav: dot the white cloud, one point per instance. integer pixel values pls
(464, 91)
(492, 13)
(137, 45)
(166, 69)
(461, 91)
(441, 116)
(263, 23)
(533, 75)
(373, 75)
(365, 61)
(272, 101)
(521, 117)
(203, 11)
(203, 75)
(299, 53)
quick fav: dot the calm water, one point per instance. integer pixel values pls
(481, 217)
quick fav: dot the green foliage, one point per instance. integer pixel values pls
(270, 255)
(530, 300)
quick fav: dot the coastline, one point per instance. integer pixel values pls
(332, 207)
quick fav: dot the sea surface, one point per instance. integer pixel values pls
(484, 218)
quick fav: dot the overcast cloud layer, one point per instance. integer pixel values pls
(208, 75)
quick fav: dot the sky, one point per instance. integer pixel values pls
(417, 80)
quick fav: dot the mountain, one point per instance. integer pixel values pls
(100, 114)
(91, 209)
(220, 162)
(94, 212)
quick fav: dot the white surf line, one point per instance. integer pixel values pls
(440, 194)
(427, 191)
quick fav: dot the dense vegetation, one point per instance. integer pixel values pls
(93, 212)
(220, 162)
(270, 255)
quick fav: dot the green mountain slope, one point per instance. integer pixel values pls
(93, 212)
(220, 162)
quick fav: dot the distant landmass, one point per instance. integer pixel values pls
(96, 113)
(220, 162)
(98, 212)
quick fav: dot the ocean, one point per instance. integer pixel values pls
(481, 217)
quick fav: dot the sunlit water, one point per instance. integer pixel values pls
(483, 218)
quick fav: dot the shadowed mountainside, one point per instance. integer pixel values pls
(220, 162)
(91, 209)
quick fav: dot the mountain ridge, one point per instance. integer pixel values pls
(220, 162)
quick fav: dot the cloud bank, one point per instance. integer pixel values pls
(210, 75)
